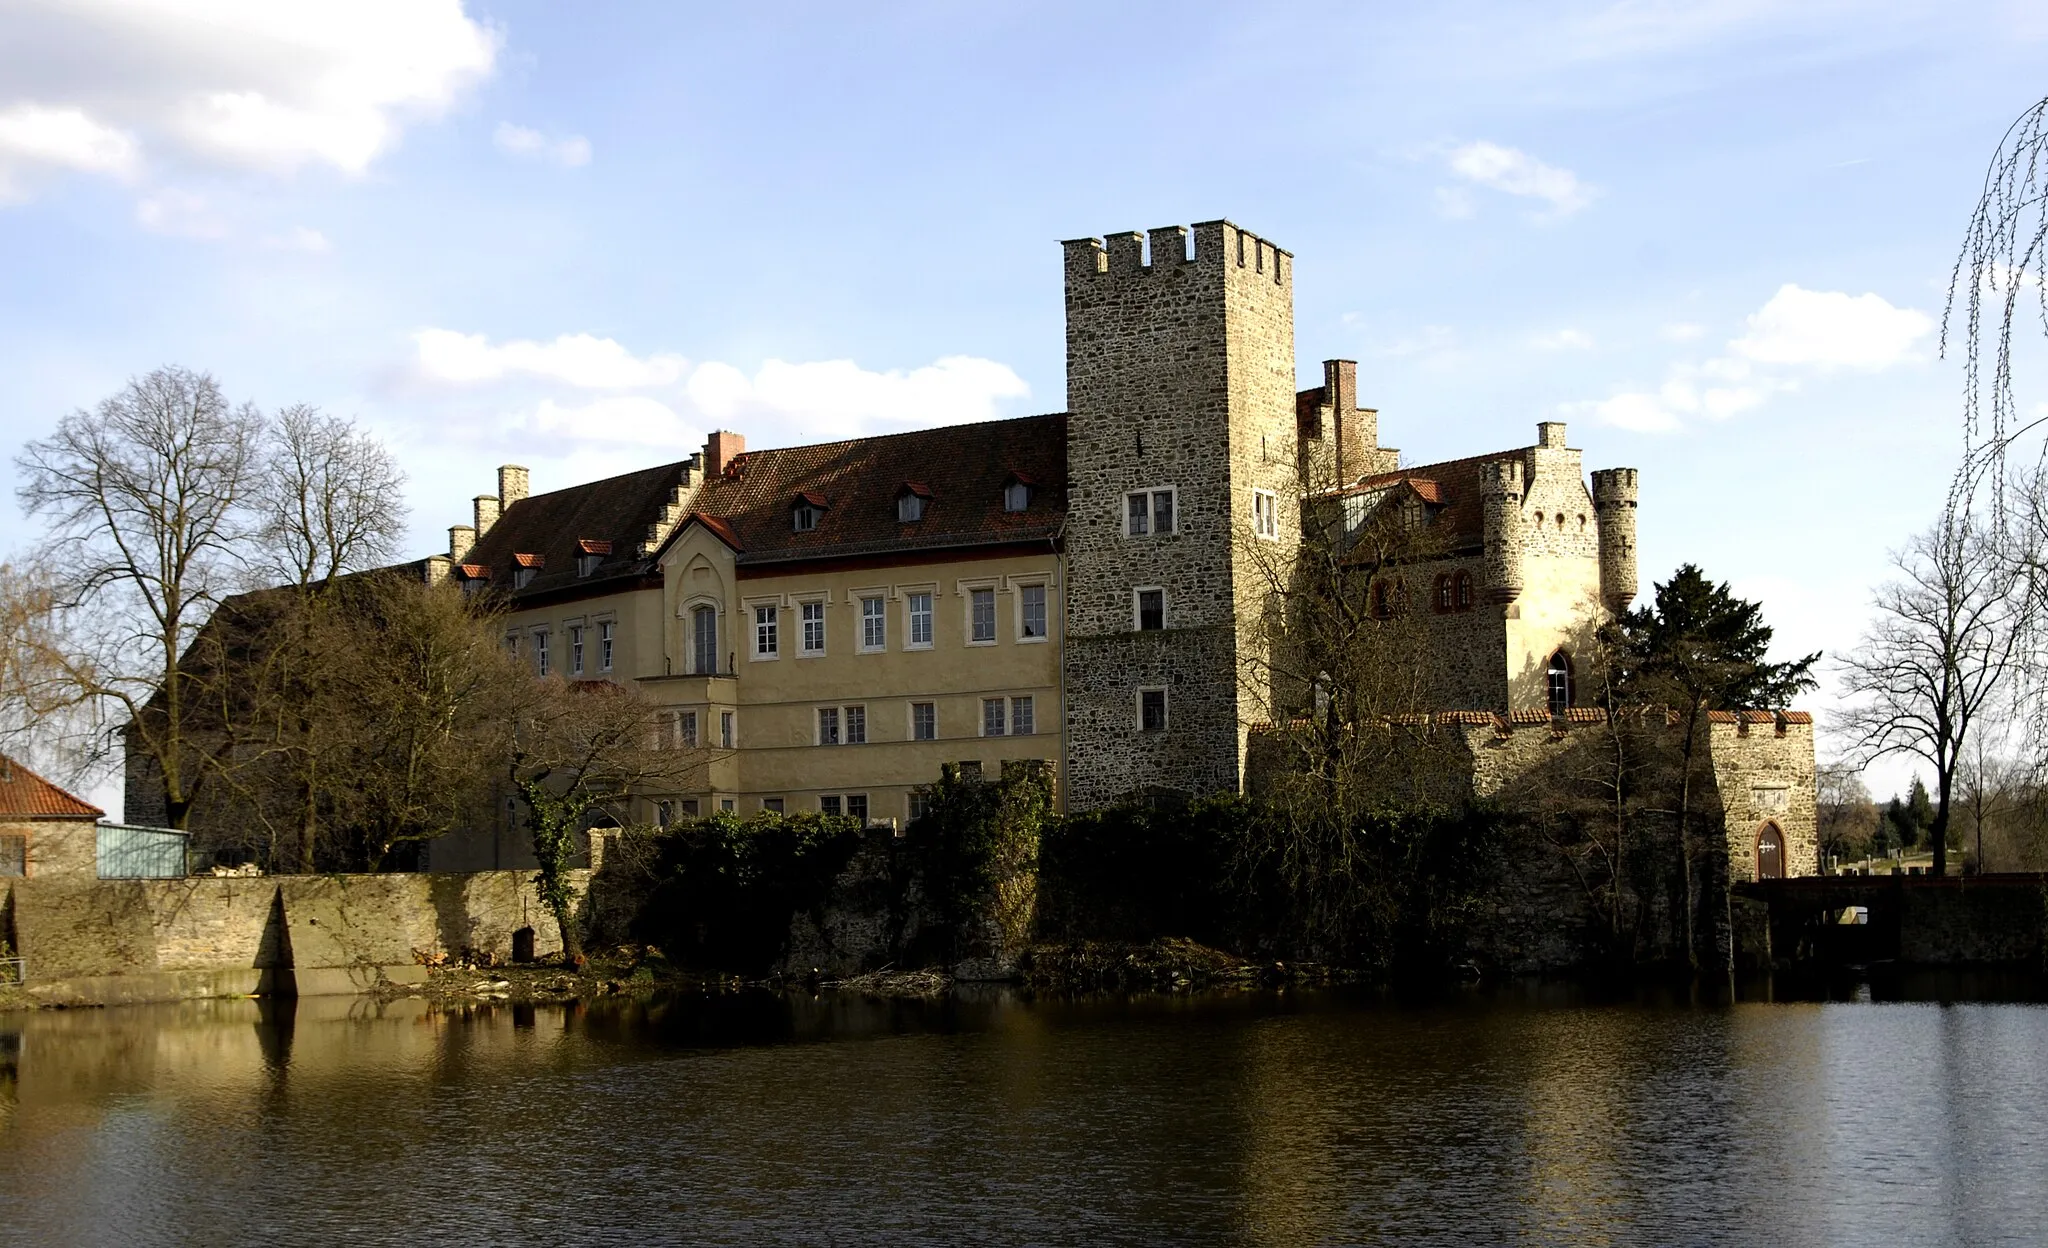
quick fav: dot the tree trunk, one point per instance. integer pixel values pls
(309, 826)
(1690, 917)
(1944, 781)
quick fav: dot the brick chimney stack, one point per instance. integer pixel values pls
(720, 449)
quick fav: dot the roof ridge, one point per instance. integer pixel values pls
(902, 433)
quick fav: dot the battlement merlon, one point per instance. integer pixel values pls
(1218, 243)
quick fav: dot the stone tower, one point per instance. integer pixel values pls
(1500, 490)
(1181, 432)
(1614, 504)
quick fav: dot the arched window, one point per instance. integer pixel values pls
(1446, 599)
(1560, 683)
(1462, 592)
(704, 640)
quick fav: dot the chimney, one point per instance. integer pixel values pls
(512, 483)
(461, 540)
(486, 513)
(1340, 386)
(720, 449)
(1550, 433)
(1356, 429)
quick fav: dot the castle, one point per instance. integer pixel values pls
(835, 622)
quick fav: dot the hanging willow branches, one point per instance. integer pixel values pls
(2003, 255)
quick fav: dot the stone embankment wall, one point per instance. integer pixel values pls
(117, 941)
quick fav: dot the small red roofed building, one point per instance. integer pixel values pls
(45, 832)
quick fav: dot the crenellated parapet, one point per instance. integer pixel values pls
(1501, 487)
(1614, 505)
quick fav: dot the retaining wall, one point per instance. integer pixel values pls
(116, 941)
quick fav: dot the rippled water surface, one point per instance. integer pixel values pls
(1505, 1117)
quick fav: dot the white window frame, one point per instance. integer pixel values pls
(686, 729)
(968, 589)
(728, 730)
(866, 807)
(836, 808)
(754, 609)
(847, 715)
(1123, 503)
(1031, 703)
(689, 611)
(804, 607)
(910, 719)
(1017, 589)
(1023, 499)
(1165, 709)
(1138, 613)
(802, 512)
(1002, 709)
(911, 593)
(861, 621)
(1266, 515)
(818, 720)
(543, 654)
(909, 501)
(607, 640)
(576, 648)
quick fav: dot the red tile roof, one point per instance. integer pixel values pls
(26, 795)
(1452, 485)
(591, 547)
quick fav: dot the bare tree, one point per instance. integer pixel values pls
(1844, 811)
(42, 720)
(2004, 252)
(583, 751)
(1940, 656)
(147, 493)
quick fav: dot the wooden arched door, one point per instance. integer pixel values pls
(1770, 853)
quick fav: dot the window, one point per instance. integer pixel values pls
(664, 813)
(924, 721)
(857, 807)
(874, 620)
(686, 723)
(804, 517)
(586, 563)
(1152, 710)
(540, 652)
(604, 646)
(919, 803)
(828, 804)
(664, 730)
(970, 769)
(13, 856)
(688, 806)
(576, 650)
(512, 644)
(728, 804)
(909, 508)
(812, 640)
(919, 607)
(725, 731)
(828, 725)
(856, 725)
(522, 577)
(1151, 609)
(772, 805)
(1560, 683)
(1031, 613)
(1461, 591)
(1265, 514)
(991, 717)
(704, 640)
(766, 642)
(1148, 511)
(1016, 496)
(1023, 722)
(981, 616)
(1388, 597)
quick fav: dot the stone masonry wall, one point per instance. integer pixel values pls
(1765, 770)
(1180, 374)
(63, 849)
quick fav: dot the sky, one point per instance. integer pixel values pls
(1715, 238)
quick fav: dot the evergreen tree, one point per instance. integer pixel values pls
(1698, 648)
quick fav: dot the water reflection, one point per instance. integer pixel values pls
(1530, 1115)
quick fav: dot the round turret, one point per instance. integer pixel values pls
(1614, 503)
(1500, 485)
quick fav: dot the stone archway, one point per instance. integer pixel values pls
(1770, 852)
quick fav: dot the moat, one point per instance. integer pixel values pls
(1912, 1111)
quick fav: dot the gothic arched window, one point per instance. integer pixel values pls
(1560, 683)
(1446, 599)
(1462, 591)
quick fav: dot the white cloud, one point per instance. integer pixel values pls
(627, 418)
(831, 399)
(1682, 331)
(520, 141)
(241, 83)
(580, 360)
(1563, 340)
(1515, 172)
(1831, 329)
(36, 140)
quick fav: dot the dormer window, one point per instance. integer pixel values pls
(1016, 492)
(589, 555)
(910, 501)
(476, 578)
(805, 511)
(524, 568)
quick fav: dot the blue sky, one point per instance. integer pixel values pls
(1714, 237)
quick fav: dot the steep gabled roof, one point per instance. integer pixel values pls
(1453, 485)
(555, 527)
(962, 469)
(26, 795)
